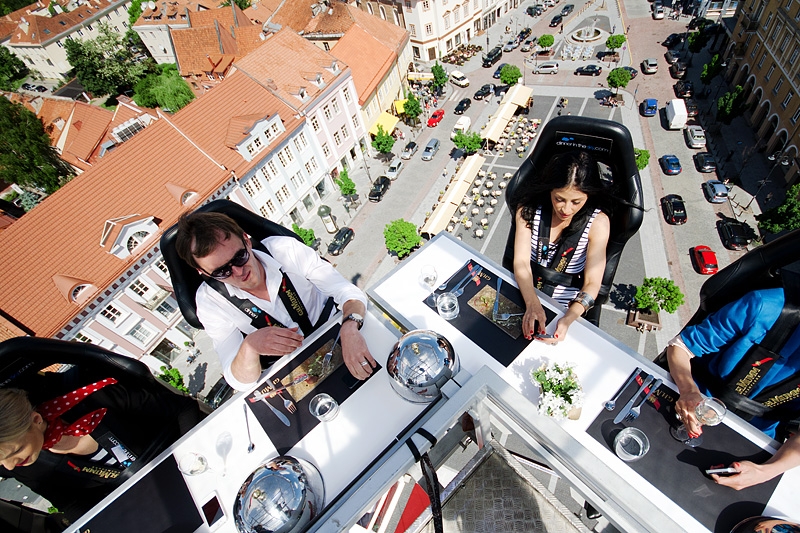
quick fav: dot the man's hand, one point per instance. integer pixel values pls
(274, 341)
(355, 352)
(749, 474)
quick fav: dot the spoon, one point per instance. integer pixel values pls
(251, 446)
(612, 403)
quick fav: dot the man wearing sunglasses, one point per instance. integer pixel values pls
(263, 301)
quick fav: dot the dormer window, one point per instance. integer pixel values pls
(187, 197)
(302, 93)
(124, 235)
(75, 295)
(136, 240)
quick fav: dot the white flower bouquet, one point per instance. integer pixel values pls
(561, 395)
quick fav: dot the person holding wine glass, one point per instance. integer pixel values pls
(747, 354)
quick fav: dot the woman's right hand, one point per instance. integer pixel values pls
(534, 320)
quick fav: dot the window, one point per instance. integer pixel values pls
(285, 156)
(253, 186)
(788, 4)
(89, 27)
(139, 288)
(769, 72)
(267, 176)
(466, 9)
(476, 4)
(311, 166)
(412, 28)
(298, 180)
(456, 15)
(778, 85)
(761, 61)
(272, 168)
(76, 292)
(346, 94)
(776, 31)
(124, 24)
(136, 239)
(383, 12)
(796, 116)
(795, 53)
(788, 99)
(327, 111)
(283, 194)
(315, 123)
(345, 133)
(354, 118)
(428, 29)
(165, 309)
(80, 33)
(255, 146)
(326, 151)
(755, 49)
(447, 20)
(58, 43)
(408, 6)
(785, 42)
(335, 106)
(769, 19)
(162, 266)
(140, 333)
(111, 313)
(80, 337)
(300, 142)
(336, 138)
(426, 5)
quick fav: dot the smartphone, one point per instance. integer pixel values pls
(213, 511)
(543, 336)
(722, 471)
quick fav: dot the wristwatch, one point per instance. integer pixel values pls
(355, 317)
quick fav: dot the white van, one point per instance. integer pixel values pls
(457, 78)
(548, 67)
(461, 126)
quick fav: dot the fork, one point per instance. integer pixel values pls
(634, 412)
(326, 361)
(502, 317)
(288, 404)
(458, 292)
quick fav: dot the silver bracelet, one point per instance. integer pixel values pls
(584, 299)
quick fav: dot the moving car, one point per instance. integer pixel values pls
(549, 3)
(394, 168)
(734, 234)
(493, 56)
(379, 188)
(704, 259)
(555, 21)
(589, 70)
(430, 149)
(674, 209)
(524, 34)
(684, 89)
(457, 78)
(695, 136)
(341, 240)
(670, 164)
(526, 46)
(658, 12)
(705, 162)
(484, 91)
(496, 74)
(630, 70)
(650, 65)
(650, 107)
(462, 106)
(678, 70)
(409, 151)
(436, 118)
(567, 9)
(548, 67)
(715, 191)
(510, 45)
(672, 56)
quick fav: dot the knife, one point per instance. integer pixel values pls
(280, 415)
(654, 388)
(271, 393)
(628, 406)
(497, 299)
(470, 274)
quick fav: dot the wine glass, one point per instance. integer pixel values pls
(193, 464)
(428, 277)
(224, 446)
(709, 412)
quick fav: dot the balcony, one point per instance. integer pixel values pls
(739, 50)
(156, 300)
(749, 22)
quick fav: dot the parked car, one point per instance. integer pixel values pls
(549, 3)
(462, 106)
(341, 240)
(567, 9)
(678, 70)
(670, 164)
(715, 191)
(673, 40)
(430, 149)
(496, 74)
(555, 21)
(220, 393)
(436, 118)
(691, 107)
(673, 56)
(735, 235)
(704, 259)
(650, 65)
(492, 57)
(589, 70)
(41, 89)
(650, 107)
(535, 11)
(484, 91)
(27, 87)
(695, 136)
(674, 209)
(684, 89)
(510, 45)
(379, 188)
(548, 67)
(658, 12)
(630, 70)
(409, 151)
(705, 162)
(394, 168)
(526, 46)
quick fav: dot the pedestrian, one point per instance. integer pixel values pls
(559, 112)
(562, 28)
(613, 29)
(628, 28)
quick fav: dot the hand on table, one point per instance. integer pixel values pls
(749, 474)
(534, 320)
(355, 353)
(274, 340)
(684, 409)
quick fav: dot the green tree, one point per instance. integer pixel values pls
(783, 217)
(469, 141)
(697, 41)
(546, 41)
(104, 65)
(346, 186)
(308, 236)
(439, 76)
(167, 89)
(642, 157)
(28, 200)
(618, 78)
(711, 69)
(510, 74)
(615, 41)
(383, 142)
(173, 377)
(730, 105)
(412, 107)
(12, 69)
(134, 12)
(26, 156)
(242, 4)
(401, 237)
(655, 294)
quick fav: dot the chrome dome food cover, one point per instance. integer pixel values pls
(281, 496)
(419, 365)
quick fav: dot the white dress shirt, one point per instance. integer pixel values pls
(314, 279)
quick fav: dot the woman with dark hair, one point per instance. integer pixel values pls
(562, 229)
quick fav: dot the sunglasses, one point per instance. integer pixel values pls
(239, 259)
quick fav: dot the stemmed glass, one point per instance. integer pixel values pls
(709, 412)
(428, 277)
(224, 447)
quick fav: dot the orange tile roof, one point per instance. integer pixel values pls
(369, 60)
(173, 7)
(333, 20)
(392, 37)
(292, 14)
(285, 62)
(40, 29)
(259, 12)
(52, 111)
(226, 16)
(36, 248)
(209, 49)
(87, 126)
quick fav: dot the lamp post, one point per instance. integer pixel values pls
(780, 160)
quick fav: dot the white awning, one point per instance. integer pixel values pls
(518, 95)
(459, 186)
(499, 122)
